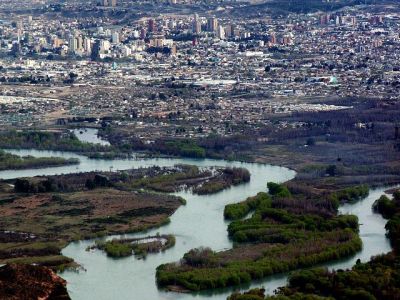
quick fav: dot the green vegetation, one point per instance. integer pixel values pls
(202, 181)
(376, 279)
(229, 177)
(253, 294)
(34, 185)
(273, 240)
(385, 206)
(13, 250)
(186, 148)
(393, 225)
(169, 183)
(14, 162)
(278, 190)
(262, 227)
(350, 194)
(56, 262)
(211, 271)
(97, 181)
(41, 210)
(117, 249)
(43, 140)
(240, 210)
(140, 247)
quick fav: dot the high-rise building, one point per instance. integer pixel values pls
(113, 3)
(151, 25)
(196, 26)
(96, 50)
(126, 51)
(57, 42)
(72, 44)
(16, 48)
(324, 19)
(229, 30)
(339, 20)
(212, 24)
(143, 33)
(79, 43)
(287, 40)
(353, 21)
(27, 38)
(115, 38)
(105, 2)
(221, 32)
(173, 50)
(272, 39)
(105, 46)
(376, 20)
(87, 45)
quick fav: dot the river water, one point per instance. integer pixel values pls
(199, 223)
(89, 135)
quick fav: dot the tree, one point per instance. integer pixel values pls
(310, 141)
(331, 170)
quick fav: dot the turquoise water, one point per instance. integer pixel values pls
(199, 223)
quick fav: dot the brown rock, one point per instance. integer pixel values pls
(25, 282)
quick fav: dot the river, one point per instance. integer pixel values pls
(199, 223)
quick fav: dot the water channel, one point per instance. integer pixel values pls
(199, 223)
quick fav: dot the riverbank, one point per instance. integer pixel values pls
(188, 226)
(41, 215)
(62, 140)
(14, 162)
(59, 209)
(381, 272)
(140, 247)
(286, 231)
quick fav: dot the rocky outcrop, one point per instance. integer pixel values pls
(23, 282)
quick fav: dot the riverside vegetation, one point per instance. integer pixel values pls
(41, 215)
(376, 279)
(285, 232)
(140, 247)
(57, 141)
(203, 181)
(340, 155)
(10, 161)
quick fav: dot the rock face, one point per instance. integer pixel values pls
(25, 282)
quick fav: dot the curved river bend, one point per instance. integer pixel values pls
(199, 223)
